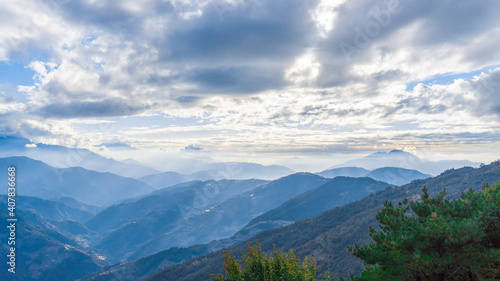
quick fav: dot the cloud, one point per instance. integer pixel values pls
(265, 75)
(104, 108)
(193, 148)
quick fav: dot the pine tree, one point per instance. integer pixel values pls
(436, 239)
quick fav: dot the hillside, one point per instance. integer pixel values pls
(43, 253)
(166, 179)
(327, 236)
(241, 170)
(219, 171)
(163, 229)
(71, 202)
(396, 176)
(38, 179)
(338, 191)
(344, 171)
(192, 195)
(51, 210)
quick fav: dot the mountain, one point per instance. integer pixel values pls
(71, 202)
(43, 253)
(192, 197)
(336, 192)
(167, 228)
(402, 159)
(392, 175)
(241, 170)
(219, 171)
(65, 219)
(327, 236)
(166, 179)
(396, 176)
(63, 157)
(36, 178)
(51, 210)
(345, 172)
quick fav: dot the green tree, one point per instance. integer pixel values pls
(258, 266)
(436, 239)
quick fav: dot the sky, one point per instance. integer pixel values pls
(302, 83)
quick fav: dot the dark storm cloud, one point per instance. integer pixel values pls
(187, 100)
(236, 80)
(104, 108)
(245, 50)
(262, 30)
(111, 16)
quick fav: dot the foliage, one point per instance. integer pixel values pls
(258, 266)
(436, 239)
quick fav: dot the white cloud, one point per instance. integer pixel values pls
(304, 70)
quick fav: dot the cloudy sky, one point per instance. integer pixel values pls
(281, 81)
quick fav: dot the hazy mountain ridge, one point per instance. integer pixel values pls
(403, 159)
(344, 172)
(218, 221)
(72, 202)
(57, 216)
(338, 191)
(51, 210)
(38, 179)
(326, 236)
(43, 253)
(396, 176)
(219, 171)
(392, 175)
(191, 196)
(64, 157)
(185, 214)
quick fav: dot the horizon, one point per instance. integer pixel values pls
(148, 160)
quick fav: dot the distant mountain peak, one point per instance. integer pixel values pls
(403, 159)
(398, 151)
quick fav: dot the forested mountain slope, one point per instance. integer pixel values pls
(327, 236)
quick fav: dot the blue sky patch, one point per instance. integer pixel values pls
(15, 74)
(448, 78)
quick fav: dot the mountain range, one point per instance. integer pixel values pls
(64, 157)
(152, 221)
(43, 253)
(403, 159)
(327, 235)
(219, 171)
(392, 175)
(336, 192)
(182, 223)
(38, 179)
